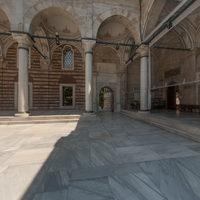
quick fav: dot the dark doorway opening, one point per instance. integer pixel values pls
(106, 99)
(171, 97)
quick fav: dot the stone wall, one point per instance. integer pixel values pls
(45, 81)
(8, 77)
(133, 82)
(175, 67)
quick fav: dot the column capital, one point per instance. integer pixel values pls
(23, 40)
(143, 50)
(88, 45)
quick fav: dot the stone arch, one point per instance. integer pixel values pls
(77, 54)
(187, 32)
(1, 52)
(106, 70)
(152, 15)
(183, 36)
(5, 20)
(157, 11)
(32, 12)
(54, 46)
(106, 96)
(7, 43)
(113, 88)
(197, 40)
(130, 18)
(5, 26)
(147, 6)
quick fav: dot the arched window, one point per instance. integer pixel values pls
(68, 58)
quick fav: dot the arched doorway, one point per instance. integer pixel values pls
(106, 100)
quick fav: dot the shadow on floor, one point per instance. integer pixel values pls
(70, 154)
(112, 157)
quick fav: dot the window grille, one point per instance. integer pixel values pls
(68, 58)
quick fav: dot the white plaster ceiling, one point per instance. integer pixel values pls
(4, 22)
(115, 28)
(54, 20)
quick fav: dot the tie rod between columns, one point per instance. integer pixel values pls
(70, 39)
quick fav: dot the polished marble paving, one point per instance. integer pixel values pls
(103, 157)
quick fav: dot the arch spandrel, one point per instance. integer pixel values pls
(127, 18)
(33, 11)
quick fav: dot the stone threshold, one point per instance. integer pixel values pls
(40, 119)
(166, 123)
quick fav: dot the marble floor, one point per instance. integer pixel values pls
(103, 157)
(192, 119)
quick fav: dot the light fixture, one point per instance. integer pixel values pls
(57, 38)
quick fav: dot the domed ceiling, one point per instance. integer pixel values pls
(4, 22)
(55, 20)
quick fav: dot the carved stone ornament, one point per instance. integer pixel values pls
(143, 50)
(23, 40)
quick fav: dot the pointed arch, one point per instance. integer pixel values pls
(126, 18)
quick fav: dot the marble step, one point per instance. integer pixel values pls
(39, 119)
(166, 123)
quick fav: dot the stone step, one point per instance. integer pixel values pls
(39, 119)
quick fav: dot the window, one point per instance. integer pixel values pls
(68, 58)
(67, 98)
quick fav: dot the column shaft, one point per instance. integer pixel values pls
(24, 42)
(144, 84)
(88, 47)
(88, 81)
(23, 55)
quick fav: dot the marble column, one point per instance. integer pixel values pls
(88, 47)
(143, 51)
(118, 92)
(149, 80)
(95, 100)
(24, 43)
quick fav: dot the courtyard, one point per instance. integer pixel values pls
(100, 157)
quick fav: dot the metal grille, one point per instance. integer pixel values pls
(68, 59)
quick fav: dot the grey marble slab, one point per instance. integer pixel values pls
(149, 139)
(194, 147)
(138, 188)
(58, 195)
(191, 163)
(173, 150)
(91, 173)
(81, 194)
(98, 186)
(103, 154)
(137, 154)
(170, 179)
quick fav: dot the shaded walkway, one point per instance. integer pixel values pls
(185, 124)
(108, 157)
(192, 119)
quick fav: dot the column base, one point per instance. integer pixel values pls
(91, 113)
(22, 115)
(144, 111)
